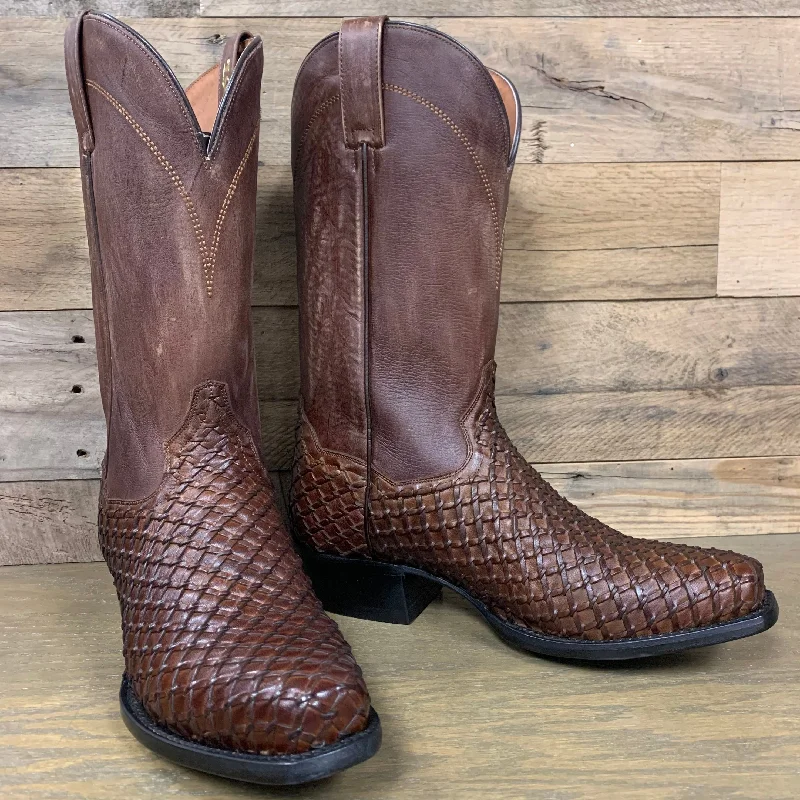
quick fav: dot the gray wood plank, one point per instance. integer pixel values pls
(625, 231)
(760, 235)
(652, 425)
(593, 90)
(712, 385)
(478, 8)
(395, 8)
(71, 8)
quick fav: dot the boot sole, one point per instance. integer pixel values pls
(398, 594)
(279, 770)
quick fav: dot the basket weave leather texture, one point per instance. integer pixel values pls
(502, 533)
(400, 454)
(223, 637)
(327, 496)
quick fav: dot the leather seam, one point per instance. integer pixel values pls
(485, 377)
(449, 476)
(313, 118)
(223, 211)
(161, 72)
(241, 66)
(325, 450)
(434, 479)
(484, 176)
(187, 418)
(101, 280)
(379, 81)
(207, 256)
(342, 95)
(481, 68)
(365, 274)
(75, 57)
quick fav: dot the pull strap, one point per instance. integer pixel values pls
(360, 81)
(230, 55)
(75, 84)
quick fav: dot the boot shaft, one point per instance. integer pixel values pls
(403, 145)
(169, 190)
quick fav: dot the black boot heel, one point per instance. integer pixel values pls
(358, 587)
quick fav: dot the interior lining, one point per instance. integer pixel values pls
(205, 93)
(202, 96)
(509, 97)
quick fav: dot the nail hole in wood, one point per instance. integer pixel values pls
(77, 388)
(78, 339)
(81, 453)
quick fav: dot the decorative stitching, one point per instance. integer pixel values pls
(379, 81)
(207, 255)
(313, 118)
(136, 41)
(228, 99)
(76, 78)
(482, 73)
(224, 210)
(498, 236)
(341, 92)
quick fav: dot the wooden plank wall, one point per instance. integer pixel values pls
(649, 349)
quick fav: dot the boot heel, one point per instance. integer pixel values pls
(369, 590)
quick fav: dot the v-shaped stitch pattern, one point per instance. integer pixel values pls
(208, 254)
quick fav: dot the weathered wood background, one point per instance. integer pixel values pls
(649, 351)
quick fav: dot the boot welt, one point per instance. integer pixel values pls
(267, 770)
(395, 593)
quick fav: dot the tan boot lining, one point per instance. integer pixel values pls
(509, 101)
(202, 95)
(205, 94)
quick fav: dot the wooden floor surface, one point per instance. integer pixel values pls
(463, 715)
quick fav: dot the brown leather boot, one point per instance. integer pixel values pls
(231, 665)
(404, 479)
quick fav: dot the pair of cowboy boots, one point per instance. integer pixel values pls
(404, 480)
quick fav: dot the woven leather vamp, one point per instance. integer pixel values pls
(327, 497)
(224, 640)
(502, 533)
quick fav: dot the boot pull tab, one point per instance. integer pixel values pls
(77, 89)
(234, 45)
(360, 81)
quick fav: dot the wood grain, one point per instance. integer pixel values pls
(71, 8)
(554, 348)
(48, 522)
(593, 90)
(641, 377)
(591, 426)
(599, 206)
(759, 230)
(347, 8)
(696, 497)
(715, 723)
(479, 8)
(676, 424)
(50, 411)
(625, 273)
(55, 522)
(52, 522)
(573, 232)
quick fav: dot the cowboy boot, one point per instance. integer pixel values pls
(404, 479)
(231, 665)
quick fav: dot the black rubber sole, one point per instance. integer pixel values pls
(249, 767)
(393, 593)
